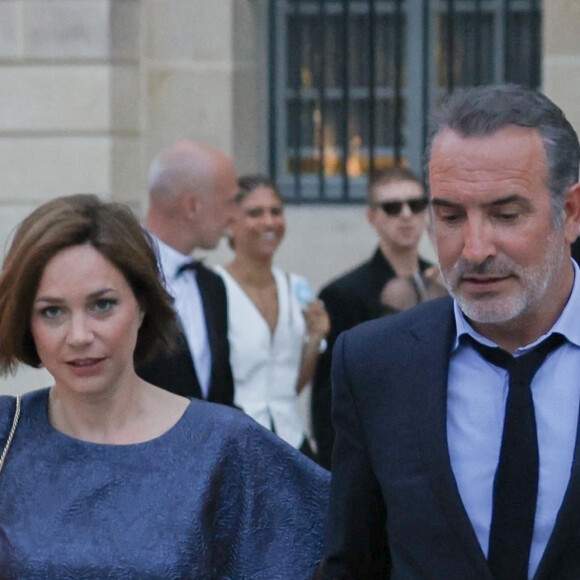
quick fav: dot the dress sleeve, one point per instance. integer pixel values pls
(279, 500)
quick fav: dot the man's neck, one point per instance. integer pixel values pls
(405, 262)
(168, 234)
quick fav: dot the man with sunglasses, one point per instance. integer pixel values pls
(397, 211)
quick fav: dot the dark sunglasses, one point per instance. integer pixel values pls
(394, 208)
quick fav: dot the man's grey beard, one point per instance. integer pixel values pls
(535, 280)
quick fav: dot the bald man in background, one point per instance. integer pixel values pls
(191, 198)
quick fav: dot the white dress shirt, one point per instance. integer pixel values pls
(189, 307)
(476, 403)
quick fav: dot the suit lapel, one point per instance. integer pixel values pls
(183, 367)
(432, 416)
(567, 522)
(211, 306)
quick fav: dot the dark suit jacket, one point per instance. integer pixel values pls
(175, 372)
(351, 299)
(392, 483)
(575, 249)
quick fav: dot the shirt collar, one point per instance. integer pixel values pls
(566, 324)
(170, 259)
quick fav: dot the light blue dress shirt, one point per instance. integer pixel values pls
(477, 393)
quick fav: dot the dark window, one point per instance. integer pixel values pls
(353, 81)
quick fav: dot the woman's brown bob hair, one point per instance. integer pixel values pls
(110, 228)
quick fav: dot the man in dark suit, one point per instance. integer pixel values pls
(434, 476)
(575, 249)
(191, 198)
(397, 211)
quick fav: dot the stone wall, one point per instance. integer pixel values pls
(55, 107)
(90, 90)
(62, 108)
(561, 63)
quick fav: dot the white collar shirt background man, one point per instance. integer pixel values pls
(191, 200)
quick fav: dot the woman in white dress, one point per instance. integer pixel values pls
(276, 327)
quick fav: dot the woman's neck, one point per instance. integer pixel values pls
(127, 415)
(257, 281)
(251, 271)
(92, 416)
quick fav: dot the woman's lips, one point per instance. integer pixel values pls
(84, 366)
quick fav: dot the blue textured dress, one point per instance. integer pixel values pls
(215, 497)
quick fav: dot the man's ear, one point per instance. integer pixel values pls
(190, 204)
(572, 213)
(370, 213)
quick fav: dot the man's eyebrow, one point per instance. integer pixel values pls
(508, 199)
(444, 203)
(496, 202)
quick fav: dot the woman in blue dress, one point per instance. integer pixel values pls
(108, 476)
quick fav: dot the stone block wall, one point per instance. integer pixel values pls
(69, 82)
(55, 110)
(91, 90)
(200, 67)
(561, 64)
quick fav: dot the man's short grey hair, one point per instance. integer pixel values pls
(481, 111)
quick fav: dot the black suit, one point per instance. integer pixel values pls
(351, 299)
(575, 249)
(395, 508)
(175, 372)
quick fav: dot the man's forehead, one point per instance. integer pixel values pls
(400, 189)
(509, 149)
(492, 143)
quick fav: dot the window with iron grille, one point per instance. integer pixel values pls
(353, 81)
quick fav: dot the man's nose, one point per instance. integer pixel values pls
(478, 244)
(406, 210)
(230, 212)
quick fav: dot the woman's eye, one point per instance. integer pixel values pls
(104, 305)
(51, 312)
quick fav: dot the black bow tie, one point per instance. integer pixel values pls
(194, 266)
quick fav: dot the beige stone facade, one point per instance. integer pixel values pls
(90, 90)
